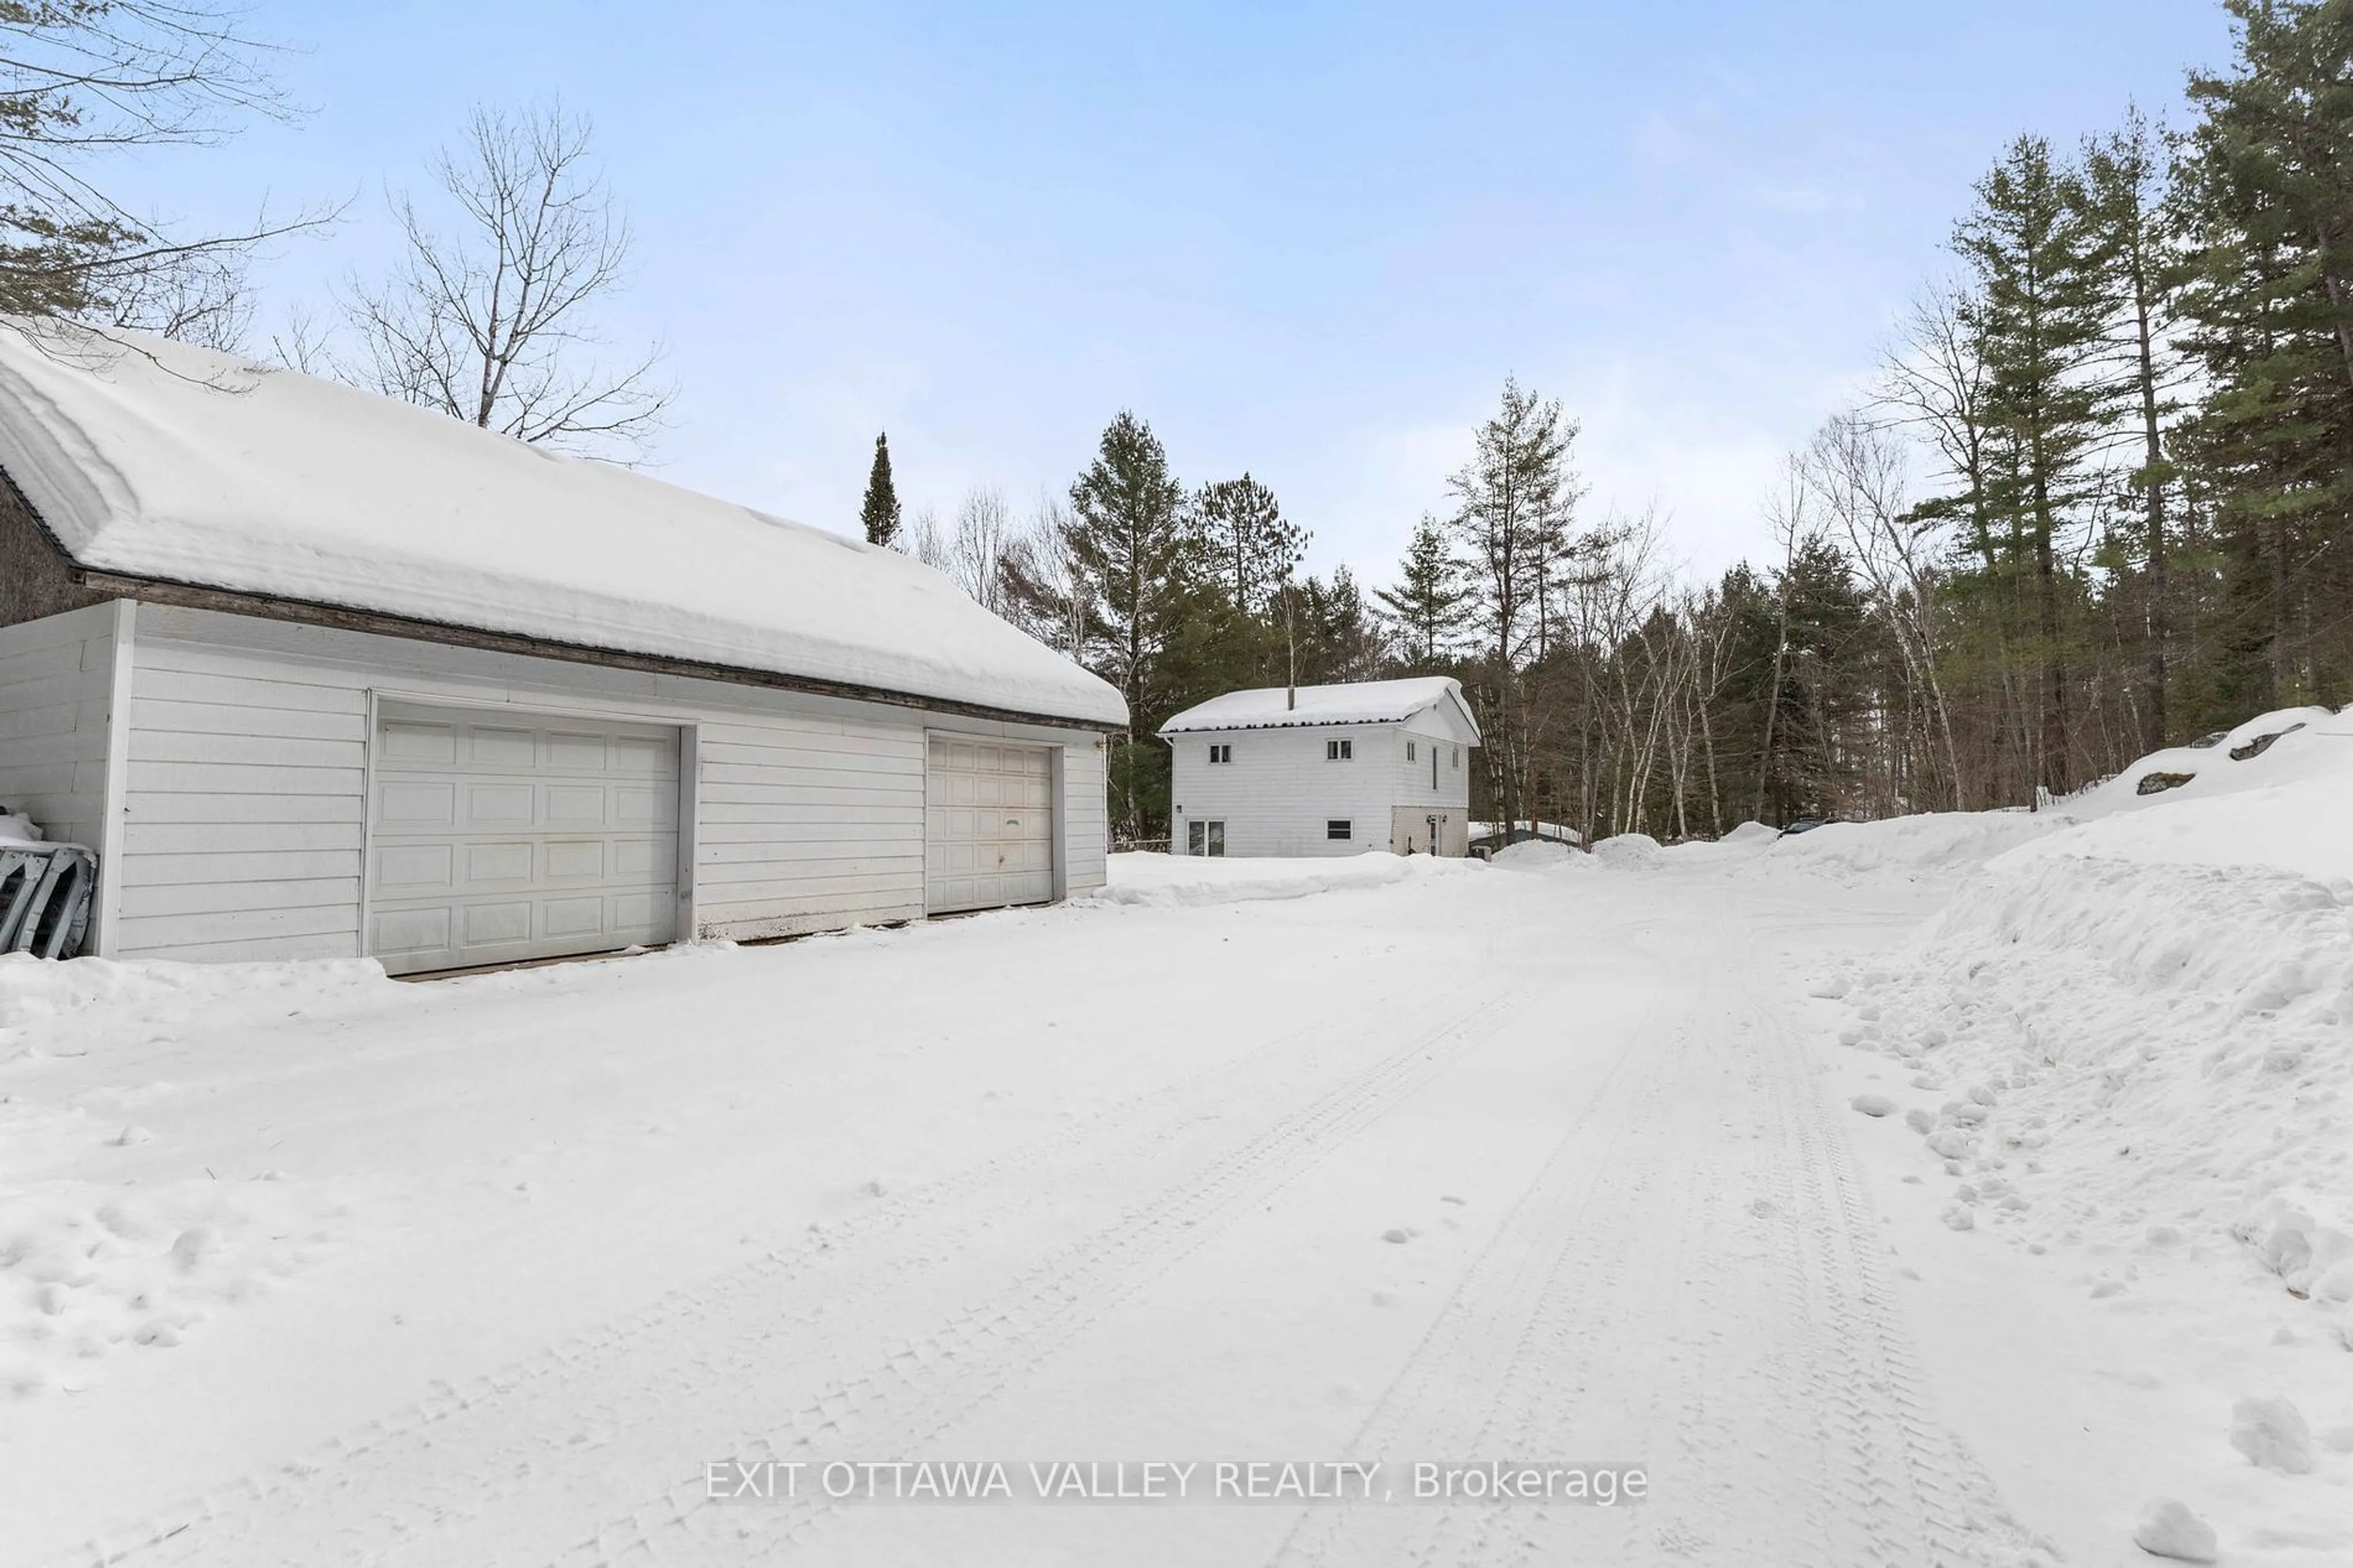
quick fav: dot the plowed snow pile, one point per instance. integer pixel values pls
(2133, 1030)
(1170, 880)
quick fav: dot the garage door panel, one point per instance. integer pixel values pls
(576, 753)
(988, 834)
(638, 806)
(489, 746)
(575, 805)
(402, 803)
(573, 917)
(639, 914)
(639, 755)
(499, 805)
(406, 868)
(499, 922)
(573, 859)
(397, 933)
(420, 744)
(502, 840)
(490, 864)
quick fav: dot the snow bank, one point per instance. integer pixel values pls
(160, 459)
(2131, 1031)
(1932, 844)
(1168, 880)
(139, 1254)
(18, 828)
(113, 996)
(1539, 854)
(89, 1269)
(2273, 793)
(1628, 851)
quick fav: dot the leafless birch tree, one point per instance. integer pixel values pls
(1856, 475)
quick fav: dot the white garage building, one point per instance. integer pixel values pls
(318, 674)
(1324, 770)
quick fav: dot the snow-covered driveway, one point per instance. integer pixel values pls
(1471, 1164)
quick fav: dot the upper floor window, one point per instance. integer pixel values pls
(1221, 754)
(1339, 751)
(1458, 756)
(1409, 753)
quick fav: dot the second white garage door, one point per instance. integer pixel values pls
(499, 838)
(988, 832)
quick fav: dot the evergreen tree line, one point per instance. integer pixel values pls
(2095, 502)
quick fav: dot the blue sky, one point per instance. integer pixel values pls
(1305, 240)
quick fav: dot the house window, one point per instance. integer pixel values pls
(1408, 750)
(1339, 751)
(1205, 838)
(1224, 754)
(1336, 828)
(1458, 756)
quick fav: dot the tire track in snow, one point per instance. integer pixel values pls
(980, 1353)
(390, 1482)
(1442, 1405)
(1767, 1379)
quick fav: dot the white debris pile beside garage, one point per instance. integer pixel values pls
(2135, 1030)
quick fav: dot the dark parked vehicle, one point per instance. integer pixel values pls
(1800, 825)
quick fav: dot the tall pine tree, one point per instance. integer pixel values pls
(2040, 327)
(1130, 545)
(879, 513)
(2269, 178)
(1251, 545)
(1513, 506)
(1427, 604)
(2139, 270)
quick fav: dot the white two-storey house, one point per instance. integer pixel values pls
(1324, 770)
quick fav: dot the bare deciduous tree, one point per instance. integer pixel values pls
(80, 80)
(984, 533)
(198, 296)
(927, 542)
(1045, 591)
(494, 323)
(1855, 473)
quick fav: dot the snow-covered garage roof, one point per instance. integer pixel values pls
(1357, 702)
(156, 460)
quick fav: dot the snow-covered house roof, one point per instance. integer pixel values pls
(1356, 702)
(175, 466)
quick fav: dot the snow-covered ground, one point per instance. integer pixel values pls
(1952, 1190)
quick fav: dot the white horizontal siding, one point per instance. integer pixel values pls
(1086, 823)
(56, 679)
(1282, 789)
(247, 777)
(1425, 733)
(807, 823)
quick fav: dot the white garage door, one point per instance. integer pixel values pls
(988, 834)
(499, 838)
